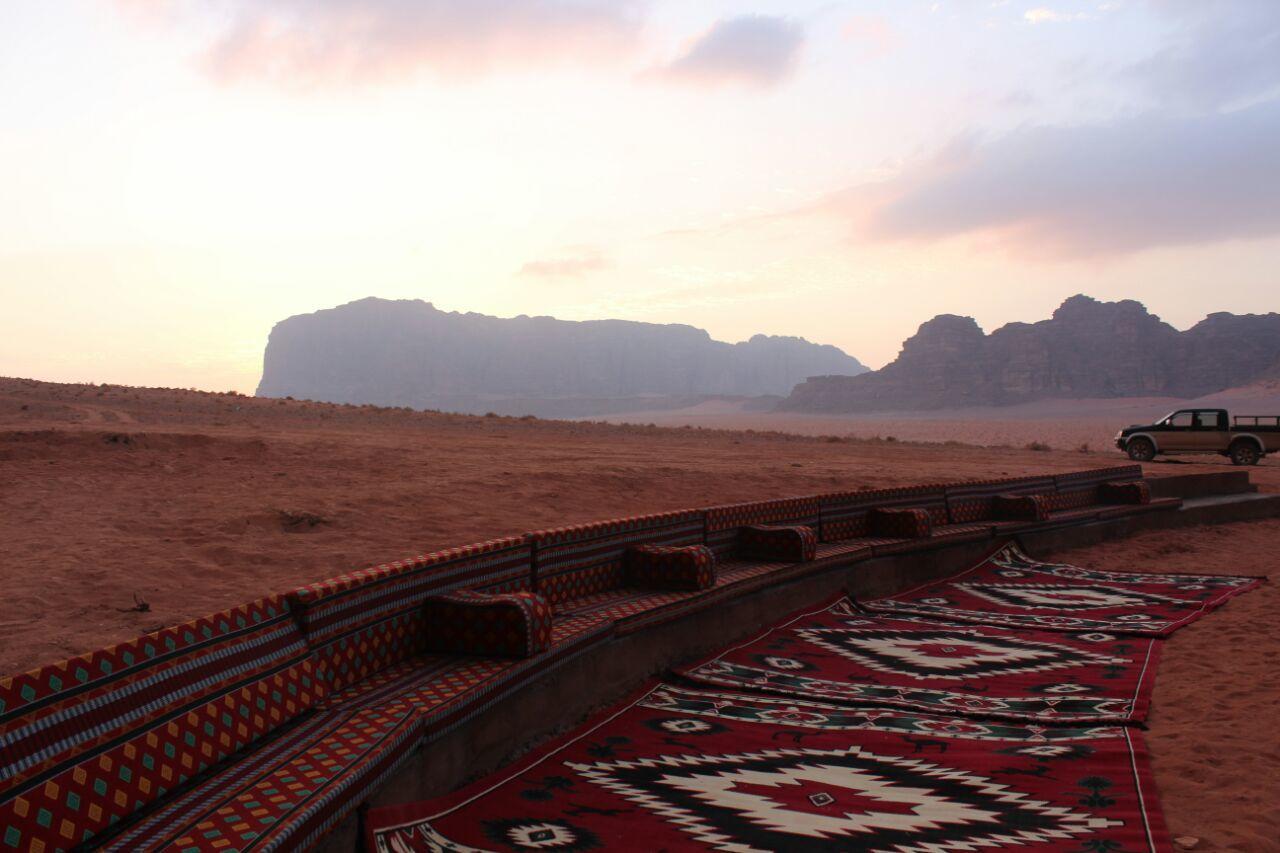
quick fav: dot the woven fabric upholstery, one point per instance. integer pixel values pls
(725, 523)
(847, 515)
(577, 561)
(1082, 489)
(286, 794)
(89, 741)
(1021, 507)
(968, 503)
(793, 543)
(905, 523)
(1132, 492)
(509, 624)
(671, 566)
(365, 621)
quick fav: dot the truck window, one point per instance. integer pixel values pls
(1206, 420)
(1180, 420)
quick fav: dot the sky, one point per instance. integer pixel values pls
(176, 176)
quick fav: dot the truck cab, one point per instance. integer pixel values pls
(1246, 440)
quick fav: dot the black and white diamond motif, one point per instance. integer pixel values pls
(951, 654)
(828, 800)
(1054, 596)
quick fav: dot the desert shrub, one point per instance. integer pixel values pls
(1038, 445)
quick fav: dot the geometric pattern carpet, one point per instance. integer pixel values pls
(678, 768)
(1011, 590)
(840, 654)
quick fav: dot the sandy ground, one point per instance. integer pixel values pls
(1215, 721)
(195, 502)
(1062, 424)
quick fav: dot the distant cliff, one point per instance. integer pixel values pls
(1087, 349)
(408, 353)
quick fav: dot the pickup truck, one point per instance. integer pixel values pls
(1245, 438)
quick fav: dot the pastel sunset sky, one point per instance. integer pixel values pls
(178, 175)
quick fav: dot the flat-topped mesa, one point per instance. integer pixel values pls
(1086, 349)
(408, 352)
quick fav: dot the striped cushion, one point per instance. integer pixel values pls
(792, 543)
(365, 621)
(901, 523)
(507, 624)
(846, 515)
(671, 567)
(971, 502)
(93, 739)
(288, 793)
(582, 560)
(1132, 492)
(725, 523)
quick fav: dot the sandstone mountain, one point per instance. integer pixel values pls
(409, 353)
(1087, 349)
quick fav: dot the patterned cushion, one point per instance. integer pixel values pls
(847, 515)
(289, 792)
(89, 741)
(1021, 507)
(510, 624)
(793, 543)
(671, 566)
(365, 621)
(905, 523)
(1081, 489)
(725, 523)
(1131, 492)
(968, 503)
(582, 560)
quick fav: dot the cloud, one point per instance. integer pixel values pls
(575, 261)
(1044, 15)
(752, 50)
(1088, 191)
(308, 42)
(873, 33)
(1216, 58)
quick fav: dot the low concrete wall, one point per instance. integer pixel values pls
(1201, 485)
(561, 699)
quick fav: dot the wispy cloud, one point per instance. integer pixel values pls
(308, 42)
(1220, 56)
(1045, 15)
(572, 262)
(1087, 191)
(752, 50)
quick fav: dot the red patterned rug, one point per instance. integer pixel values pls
(838, 653)
(1013, 590)
(679, 768)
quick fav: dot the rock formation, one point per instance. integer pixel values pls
(408, 353)
(1087, 349)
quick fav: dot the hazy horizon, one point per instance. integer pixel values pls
(183, 174)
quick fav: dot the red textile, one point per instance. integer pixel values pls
(1010, 589)
(839, 654)
(692, 769)
(512, 624)
(910, 523)
(687, 567)
(1020, 508)
(793, 543)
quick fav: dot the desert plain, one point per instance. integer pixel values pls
(125, 509)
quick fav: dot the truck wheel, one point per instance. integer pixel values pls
(1141, 450)
(1245, 453)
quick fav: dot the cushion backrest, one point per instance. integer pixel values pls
(845, 515)
(1080, 488)
(726, 521)
(89, 741)
(365, 621)
(971, 502)
(588, 558)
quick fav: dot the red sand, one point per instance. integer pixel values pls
(195, 502)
